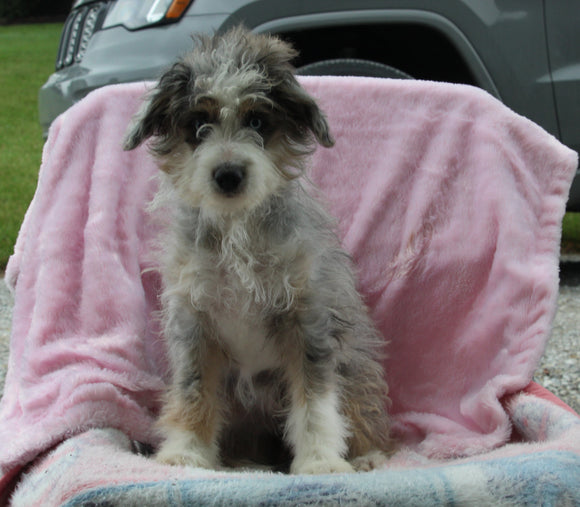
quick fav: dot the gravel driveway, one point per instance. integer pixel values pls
(559, 370)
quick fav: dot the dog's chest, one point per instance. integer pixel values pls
(247, 342)
(240, 309)
(248, 277)
(243, 294)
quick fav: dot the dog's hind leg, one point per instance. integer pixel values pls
(364, 404)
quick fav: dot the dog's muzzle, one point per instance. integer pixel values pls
(229, 178)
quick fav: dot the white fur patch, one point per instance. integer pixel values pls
(318, 435)
(247, 343)
(184, 448)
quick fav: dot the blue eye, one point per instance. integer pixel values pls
(256, 123)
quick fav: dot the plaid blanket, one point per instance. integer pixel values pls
(102, 467)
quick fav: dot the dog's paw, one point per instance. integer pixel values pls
(314, 466)
(183, 448)
(370, 461)
(185, 457)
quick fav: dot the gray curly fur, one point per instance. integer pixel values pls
(268, 337)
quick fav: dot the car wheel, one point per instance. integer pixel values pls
(351, 67)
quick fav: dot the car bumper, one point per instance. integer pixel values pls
(117, 55)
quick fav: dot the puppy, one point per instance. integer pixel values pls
(269, 341)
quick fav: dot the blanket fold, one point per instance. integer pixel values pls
(450, 204)
(516, 474)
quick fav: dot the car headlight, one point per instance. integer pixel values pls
(135, 14)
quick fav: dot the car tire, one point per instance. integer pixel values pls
(351, 67)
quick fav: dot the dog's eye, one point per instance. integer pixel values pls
(200, 125)
(256, 123)
(197, 127)
(199, 120)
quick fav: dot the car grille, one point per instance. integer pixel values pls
(78, 29)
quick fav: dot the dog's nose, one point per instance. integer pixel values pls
(229, 178)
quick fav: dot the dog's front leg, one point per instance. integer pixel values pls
(317, 433)
(315, 428)
(192, 416)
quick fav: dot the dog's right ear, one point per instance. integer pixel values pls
(160, 114)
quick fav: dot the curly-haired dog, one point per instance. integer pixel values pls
(268, 338)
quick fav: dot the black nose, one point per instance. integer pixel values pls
(229, 178)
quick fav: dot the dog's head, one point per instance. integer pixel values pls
(229, 122)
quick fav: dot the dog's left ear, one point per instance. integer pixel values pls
(301, 109)
(303, 112)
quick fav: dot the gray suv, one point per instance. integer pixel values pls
(524, 52)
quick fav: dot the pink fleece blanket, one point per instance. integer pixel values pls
(450, 204)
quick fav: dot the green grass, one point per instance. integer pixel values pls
(27, 53)
(571, 233)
